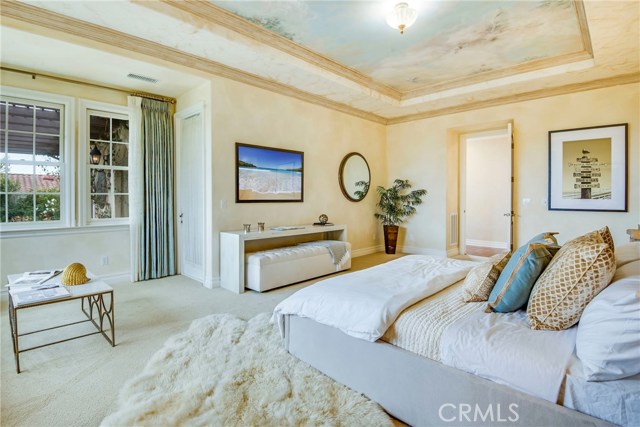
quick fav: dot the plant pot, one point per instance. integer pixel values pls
(390, 238)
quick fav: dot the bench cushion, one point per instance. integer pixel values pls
(278, 267)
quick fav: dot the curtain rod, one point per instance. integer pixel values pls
(63, 79)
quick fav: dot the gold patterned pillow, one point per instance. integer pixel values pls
(581, 269)
(604, 233)
(481, 279)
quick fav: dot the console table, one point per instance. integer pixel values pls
(233, 244)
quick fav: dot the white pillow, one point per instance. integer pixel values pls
(627, 253)
(608, 337)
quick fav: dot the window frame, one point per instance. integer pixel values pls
(84, 168)
(67, 159)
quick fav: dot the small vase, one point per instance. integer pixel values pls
(390, 238)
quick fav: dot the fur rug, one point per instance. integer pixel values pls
(224, 371)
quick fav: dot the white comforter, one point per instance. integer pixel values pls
(365, 303)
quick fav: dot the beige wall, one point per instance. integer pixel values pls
(418, 151)
(254, 116)
(85, 245)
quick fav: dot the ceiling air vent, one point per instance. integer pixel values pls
(142, 78)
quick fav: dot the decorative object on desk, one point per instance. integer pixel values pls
(354, 177)
(239, 374)
(247, 228)
(265, 174)
(588, 169)
(323, 220)
(261, 227)
(74, 274)
(396, 206)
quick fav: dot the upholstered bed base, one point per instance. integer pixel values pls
(417, 390)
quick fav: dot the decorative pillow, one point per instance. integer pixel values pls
(608, 338)
(579, 273)
(482, 278)
(513, 287)
(627, 253)
(603, 232)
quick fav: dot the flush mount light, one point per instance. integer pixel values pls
(401, 17)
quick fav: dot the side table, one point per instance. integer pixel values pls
(93, 293)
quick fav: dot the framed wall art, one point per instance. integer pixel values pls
(588, 169)
(265, 174)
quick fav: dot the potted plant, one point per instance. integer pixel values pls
(396, 205)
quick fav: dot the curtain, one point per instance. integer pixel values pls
(151, 188)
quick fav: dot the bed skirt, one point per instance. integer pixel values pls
(418, 390)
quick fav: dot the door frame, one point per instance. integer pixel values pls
(179, 118)
(506, 131)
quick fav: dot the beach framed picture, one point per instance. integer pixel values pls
(588, 169)
(265, 174)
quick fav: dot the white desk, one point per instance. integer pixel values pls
(232, 248)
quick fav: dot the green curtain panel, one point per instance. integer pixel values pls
(152, 189)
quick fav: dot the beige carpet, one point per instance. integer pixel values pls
(77, 383)
(225, 371)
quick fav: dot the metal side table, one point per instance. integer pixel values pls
(93, 293)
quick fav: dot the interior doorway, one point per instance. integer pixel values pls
(190, 195)
(486, 192)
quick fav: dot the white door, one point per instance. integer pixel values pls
(486, 192)
(190, 197)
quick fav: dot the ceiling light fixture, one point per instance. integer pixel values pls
(401, 17)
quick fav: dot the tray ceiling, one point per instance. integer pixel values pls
(459, 55)
(450, 40)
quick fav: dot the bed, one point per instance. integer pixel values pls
(428, 368)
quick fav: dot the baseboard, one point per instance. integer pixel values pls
(421, 251)
(487, 244)
(116, 277)
(367, 251)
(212, 282)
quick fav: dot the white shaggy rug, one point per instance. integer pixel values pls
(224, 371)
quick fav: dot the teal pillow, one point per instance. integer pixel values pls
(514, 285)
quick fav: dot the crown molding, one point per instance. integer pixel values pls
(55, 21)
(211, 13)
(527, 96)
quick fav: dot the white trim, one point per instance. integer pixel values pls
(62, 231)
(487, 244)
(366, 251)
(421, 251)
(116, 277)
(84, 105)
(67, 197)
(212, 282)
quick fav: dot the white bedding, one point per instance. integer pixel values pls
(503, 348)
(617, 401)
(365, 303)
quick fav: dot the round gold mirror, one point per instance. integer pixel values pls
(354, 177)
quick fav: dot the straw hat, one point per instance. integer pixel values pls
(74, 274)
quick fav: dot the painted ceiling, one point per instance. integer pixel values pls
(458, 56)
(450, 39)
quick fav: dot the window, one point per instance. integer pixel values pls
(108, 162)
(32, 163)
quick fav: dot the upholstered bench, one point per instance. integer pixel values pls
(291, 264)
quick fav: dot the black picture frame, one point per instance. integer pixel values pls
(268, 174)
(588, 169)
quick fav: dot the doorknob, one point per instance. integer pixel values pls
(509, 214)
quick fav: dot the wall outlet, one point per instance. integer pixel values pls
(223, 203)
(104, 260)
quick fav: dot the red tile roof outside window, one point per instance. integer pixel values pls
(44, 183)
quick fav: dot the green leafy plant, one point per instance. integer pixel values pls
(395, 204)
